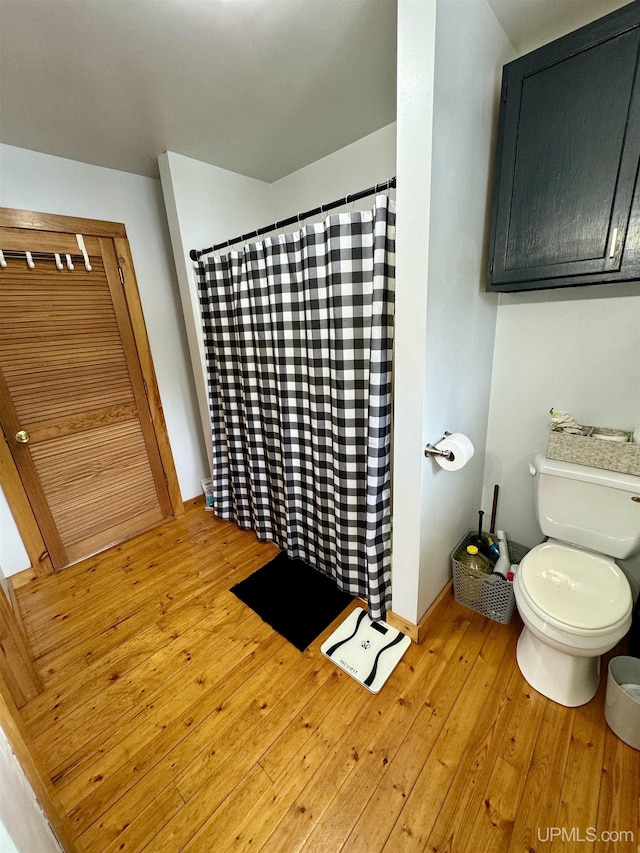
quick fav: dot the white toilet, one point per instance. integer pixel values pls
(574, 600)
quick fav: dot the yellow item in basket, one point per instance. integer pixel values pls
(474, 560)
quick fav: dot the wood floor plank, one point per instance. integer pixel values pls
(383, 809)
(179, 661)
(136, 835)
(308, 807)
(491, 829)
(75, 690)
(202, 587)
(173, 719)
(96, 781)
(418, 815)
(537, 810)
(220, 828)
(509, 755)
(90, 579)
(217, 727)
(344, 714)
(234, 755)
(141, 580)
(288, 685)
(90, 719)
(102, 639)
(281, 751)
(578, 801)
(413, 696)
(618, 802)
(465, 794)
(75, 622)
(204, 611)
(74, 657)
(140, 752)
(236, 762)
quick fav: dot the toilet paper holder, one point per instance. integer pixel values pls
(431, 450)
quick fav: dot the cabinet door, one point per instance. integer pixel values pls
(568, 157)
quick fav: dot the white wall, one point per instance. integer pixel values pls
(33, 181)
(369, 161)
(576, 349)
(205, 205)
(23, 826)
(470, 52)
(416, 69)
(13, 556)
(450, 57)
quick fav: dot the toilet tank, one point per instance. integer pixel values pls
(590, 507)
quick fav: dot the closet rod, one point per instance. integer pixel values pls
(196, 254)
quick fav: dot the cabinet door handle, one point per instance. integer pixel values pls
(612, 247)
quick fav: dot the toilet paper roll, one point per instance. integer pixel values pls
(461, 448)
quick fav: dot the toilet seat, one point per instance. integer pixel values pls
(575, 590)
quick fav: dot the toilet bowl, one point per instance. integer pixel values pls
(574, 600)
(575, 606)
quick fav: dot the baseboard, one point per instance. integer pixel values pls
(195, 501)
(24, 577)
(21, 579)
(416, 632)
(403, 625)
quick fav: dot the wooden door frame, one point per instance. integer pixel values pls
(20, 682)
(14, 728)
(12, 484)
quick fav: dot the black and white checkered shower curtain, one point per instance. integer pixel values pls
(298, 337)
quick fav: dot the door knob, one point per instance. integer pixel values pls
(22, 437)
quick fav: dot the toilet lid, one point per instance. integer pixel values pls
(577, 588)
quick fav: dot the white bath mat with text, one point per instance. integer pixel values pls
(368, 651)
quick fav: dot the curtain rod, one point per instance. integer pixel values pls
(196, 254)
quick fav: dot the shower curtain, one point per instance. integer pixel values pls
(298, 333)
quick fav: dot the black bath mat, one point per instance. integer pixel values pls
(296, 600)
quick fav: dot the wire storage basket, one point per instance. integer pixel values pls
(490, 595)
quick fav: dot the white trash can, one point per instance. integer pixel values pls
(622, 704)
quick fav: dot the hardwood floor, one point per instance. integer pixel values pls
(174, 719)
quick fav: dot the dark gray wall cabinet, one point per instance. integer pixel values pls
(566, 205)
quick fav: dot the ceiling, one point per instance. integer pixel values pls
(260, 87)
(531, 23)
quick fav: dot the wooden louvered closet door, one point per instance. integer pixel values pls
(70, 381)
